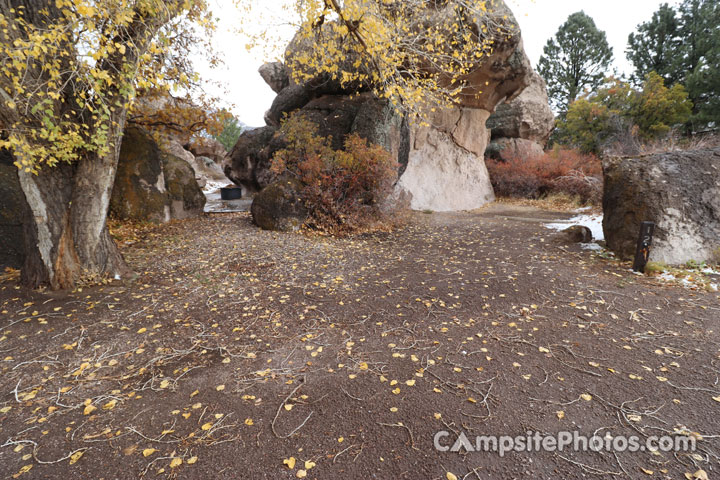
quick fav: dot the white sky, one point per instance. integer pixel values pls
(539, 20)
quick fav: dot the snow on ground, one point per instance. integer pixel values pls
(593, 222)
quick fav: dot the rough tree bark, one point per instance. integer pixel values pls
(66, 235)
(67, 239)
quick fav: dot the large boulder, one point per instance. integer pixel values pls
(208, 147)
(505, 148)
(521, 127)
(248, 164)
(151, 185)
(678, 191)
(278, 207)
(442, 165)
(185, 198)
(12, 213)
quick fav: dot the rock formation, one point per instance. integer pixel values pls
(678, 191)
(12, 212)
(441, 166)
(521, 128)
(153, 185)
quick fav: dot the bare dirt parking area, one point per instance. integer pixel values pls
(243, 354)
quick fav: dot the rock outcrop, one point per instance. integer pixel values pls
(12, 212)
(521, 128)
(678, 191)
(441, 166)
(153, 185)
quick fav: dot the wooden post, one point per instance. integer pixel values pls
(643, 246)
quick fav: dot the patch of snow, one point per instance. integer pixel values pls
(593, 222)
(212, 186)
(591, 246)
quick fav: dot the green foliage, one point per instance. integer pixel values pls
(655, 46)
(683, 46)
(656, 109)
(343, 189)
(577, 58)
(232, 129)
(596, 120)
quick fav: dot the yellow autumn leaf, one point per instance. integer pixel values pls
(206, 426)
(586, 396)
(560, 414)
(165, 384)
(75, 457)
(220, 388)
(717, 399)
(451, 476)
(191, 460)
(301, 474)
(288, 407)
(24, 469)
(309, 464)
(7, 409)
(249, 421)
(110, 405)
(176, 462)
(290, 462)
(89, 409)
(148, 451)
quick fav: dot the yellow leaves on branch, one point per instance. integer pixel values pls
(100, 48)
(415, 53)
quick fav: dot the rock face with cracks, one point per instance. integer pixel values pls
(678, 191)
(441, 166)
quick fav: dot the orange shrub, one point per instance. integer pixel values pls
(343, 189)
(557, 171)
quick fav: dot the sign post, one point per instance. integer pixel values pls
(643, 246)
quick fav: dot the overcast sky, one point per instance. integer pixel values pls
(539, 20)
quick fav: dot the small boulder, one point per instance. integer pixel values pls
(278, 207)
(575, 234)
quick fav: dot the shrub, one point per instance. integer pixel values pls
(342, 189)
(557, 171)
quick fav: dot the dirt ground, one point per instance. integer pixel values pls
(243, 354)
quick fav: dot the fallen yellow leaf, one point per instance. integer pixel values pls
(176, 462)
(148, 451)
(290, 462)
(75, 457)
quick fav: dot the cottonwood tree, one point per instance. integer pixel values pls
(577, 58)
(69, 70)
(417, 54)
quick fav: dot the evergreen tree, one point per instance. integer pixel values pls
(577, 58)
(655, 47)
(232, 129)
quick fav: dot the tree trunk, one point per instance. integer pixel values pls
(66, 234)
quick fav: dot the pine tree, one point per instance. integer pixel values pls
(577, 58)
(655, 47)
